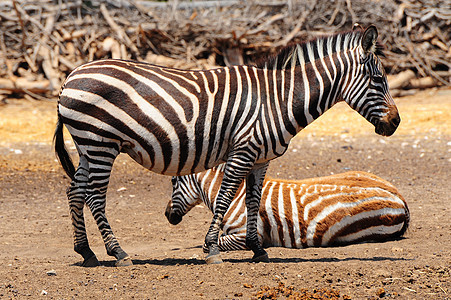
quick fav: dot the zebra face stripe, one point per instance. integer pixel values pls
(367, 92)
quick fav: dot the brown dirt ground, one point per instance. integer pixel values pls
(36, 234)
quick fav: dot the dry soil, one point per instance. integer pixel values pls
(37, 260)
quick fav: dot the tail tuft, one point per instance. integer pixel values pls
(61, 151)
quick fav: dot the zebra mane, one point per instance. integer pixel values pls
(298, 54)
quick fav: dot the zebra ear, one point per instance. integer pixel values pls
(369, 39)
(357, 26)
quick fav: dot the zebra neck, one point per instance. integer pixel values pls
(317, 87)
(209, 183)
(208, 201)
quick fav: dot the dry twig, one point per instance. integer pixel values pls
(48, 38)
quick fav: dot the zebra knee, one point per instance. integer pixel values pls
(82, 172)
(81, 177)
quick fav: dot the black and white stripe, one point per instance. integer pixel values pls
(346, 208)
(178, 122)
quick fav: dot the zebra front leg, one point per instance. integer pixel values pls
(254, 183)
(76, 194)
(96, 201)
(237, 167)
(212, 237)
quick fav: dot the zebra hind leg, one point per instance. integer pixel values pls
(76, 194)
(100, 167)
(254, 183)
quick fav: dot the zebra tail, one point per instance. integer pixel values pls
(61, 151)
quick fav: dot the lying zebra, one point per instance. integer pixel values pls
(340, 209)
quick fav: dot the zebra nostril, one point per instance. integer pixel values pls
(395, 121)
(167, 212)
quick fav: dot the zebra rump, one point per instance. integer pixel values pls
(341, 209)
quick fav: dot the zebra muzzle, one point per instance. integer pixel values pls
(172, 217)
(387, 125)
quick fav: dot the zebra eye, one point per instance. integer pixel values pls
(174, 180)
(377, 75)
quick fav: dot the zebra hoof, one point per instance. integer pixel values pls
(213, 259)
(91, 262)
(124, 262)
(261, 258)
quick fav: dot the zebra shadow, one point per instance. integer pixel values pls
(276, 260)
(156, 262)
(279, 260)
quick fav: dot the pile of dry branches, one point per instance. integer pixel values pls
(42, 41)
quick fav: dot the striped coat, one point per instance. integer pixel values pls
(346, 208)
(177, 122)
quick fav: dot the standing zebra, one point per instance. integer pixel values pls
(340, 209)
(177, 122)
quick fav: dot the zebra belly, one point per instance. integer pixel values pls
(157, 164)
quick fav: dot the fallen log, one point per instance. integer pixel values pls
(401, 80)
(422, 83)
(22, 85)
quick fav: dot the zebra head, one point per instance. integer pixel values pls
(185, 195)
(366, 88)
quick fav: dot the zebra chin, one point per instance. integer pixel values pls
(172, 217)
